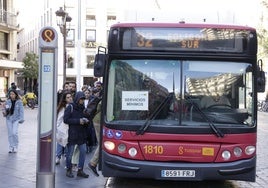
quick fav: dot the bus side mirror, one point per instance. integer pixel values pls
(100, 62)
(99, 65)
(261, 81)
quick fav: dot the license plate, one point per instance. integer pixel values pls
(178, 173)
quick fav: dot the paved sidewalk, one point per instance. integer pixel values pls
(18, 170)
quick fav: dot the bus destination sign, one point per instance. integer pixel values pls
(191, 39)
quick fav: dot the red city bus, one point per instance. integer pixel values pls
(180, 101)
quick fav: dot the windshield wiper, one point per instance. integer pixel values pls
(148, 121)
(210, 123)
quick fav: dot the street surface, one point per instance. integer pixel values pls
(19, 170)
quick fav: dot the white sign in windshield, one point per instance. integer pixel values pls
(135, 100)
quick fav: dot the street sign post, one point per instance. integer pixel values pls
(48, 52)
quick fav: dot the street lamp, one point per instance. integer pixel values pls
(62, 19)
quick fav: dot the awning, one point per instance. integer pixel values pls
(8, 64)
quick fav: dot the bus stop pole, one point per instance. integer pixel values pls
(48, 52)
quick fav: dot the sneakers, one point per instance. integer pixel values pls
(93, 169)
(57, 161)
(82, 174)
(69, 173)
(12, 150)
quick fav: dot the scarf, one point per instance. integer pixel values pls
(12, 107)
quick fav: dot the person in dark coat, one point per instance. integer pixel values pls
(74, 117)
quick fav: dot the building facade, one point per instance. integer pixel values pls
(87, 30)
(9, 66)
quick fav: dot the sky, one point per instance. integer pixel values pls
(239, 12)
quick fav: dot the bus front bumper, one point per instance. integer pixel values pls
(115, 166)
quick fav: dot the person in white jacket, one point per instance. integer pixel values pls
(66, 99)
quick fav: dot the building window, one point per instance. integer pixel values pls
(3, 56)
(70, 35)
(70, 38)
(90, 21)
(111, 20)
(91, 35)
(108, 31)
(70, 62)
(90, 61)
(3, 41)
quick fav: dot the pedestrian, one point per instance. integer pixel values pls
(75, 158)
(14, 113)
(96, 123)
(64, 101)
(72, 87)
(84, 88)
(65, 87)
(74, 117)
(91, 140)
(12, 87)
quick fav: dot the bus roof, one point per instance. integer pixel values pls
(182, 25)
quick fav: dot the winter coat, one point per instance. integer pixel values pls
(72, 115)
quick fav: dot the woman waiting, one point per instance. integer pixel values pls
(66, 99)
(14, 113)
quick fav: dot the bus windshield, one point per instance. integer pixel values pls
(179, 92)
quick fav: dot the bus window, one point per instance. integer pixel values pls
(211, 79)
(139, 87)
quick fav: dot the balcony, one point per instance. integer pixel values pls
(8, 21)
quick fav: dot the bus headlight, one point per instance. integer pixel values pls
(237, 151)
(121, 148)
(132, 152)
(109, 145)
(250, 150)
(226, 155)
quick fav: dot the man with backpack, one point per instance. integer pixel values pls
(94, 112)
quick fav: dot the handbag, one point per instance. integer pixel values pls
(62, 134)
(62, 130)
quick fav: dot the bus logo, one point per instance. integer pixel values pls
(118, 134)
(110, 133)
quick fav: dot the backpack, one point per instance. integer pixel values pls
(91, 109)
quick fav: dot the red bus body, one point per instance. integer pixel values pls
(153, 123)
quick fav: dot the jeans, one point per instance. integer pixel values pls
(13, 137)
(82, 155)
(60, 150)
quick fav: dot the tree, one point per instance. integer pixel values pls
(263, 34)
(30, 70)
